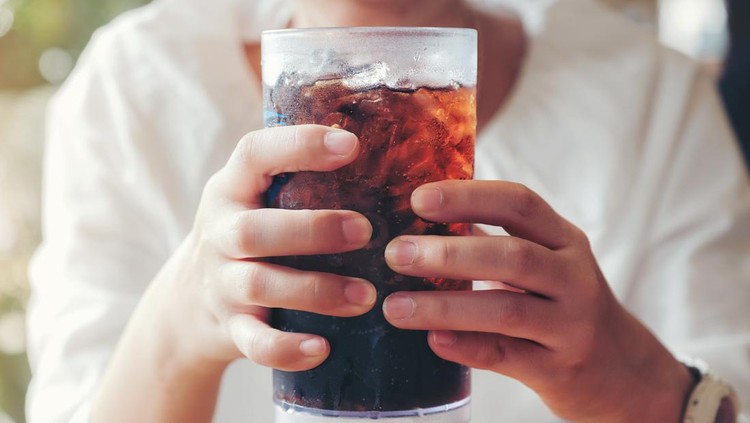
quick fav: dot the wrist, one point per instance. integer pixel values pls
(670, 398)
(655, 398)
(654, 385)
(712, 399)
(663, 386)
(190, 332)
(158, 373)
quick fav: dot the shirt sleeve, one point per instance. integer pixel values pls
(94, 262)
(693, 286)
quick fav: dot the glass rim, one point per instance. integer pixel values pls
(373, 30)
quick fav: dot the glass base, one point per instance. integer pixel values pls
(457, 412)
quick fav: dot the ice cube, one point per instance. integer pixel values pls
(366, 76)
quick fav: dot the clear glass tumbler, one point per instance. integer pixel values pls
(409, 94)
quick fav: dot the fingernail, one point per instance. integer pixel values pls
(360, 293)
(444, 338)
(357, 230)
(427, 199)
(400, 252)
(340, 143)
(398, 307)
(313, 347)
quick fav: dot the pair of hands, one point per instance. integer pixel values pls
(559, 330)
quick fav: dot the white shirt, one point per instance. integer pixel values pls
(621, 136)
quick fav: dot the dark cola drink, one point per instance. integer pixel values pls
(408, 136)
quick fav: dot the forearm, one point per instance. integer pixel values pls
(154, 376)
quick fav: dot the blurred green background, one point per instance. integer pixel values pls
(39, 43)
(40, 33)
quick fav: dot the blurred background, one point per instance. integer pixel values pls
(40, 41)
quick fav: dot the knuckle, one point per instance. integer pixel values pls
(578, 358)
(318, 227)
(297, 147)
(237, 232)
(509, 312)
(253, 285)
(499, 351)
(444, 309)
(574, 367)
(591, 287)
(299, 134)
(296, 142)
(212, 184)
(519, 255)
(447, 253)
(247, 146)
(526, 201)
(240, 232)
(216, 302)
(257, 346)
(490, 354)
(247, 232)
(316, 292)
(591, 290)
(580, 238)
(269, 349)
(586, 338)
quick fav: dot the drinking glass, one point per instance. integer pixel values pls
(409, 94)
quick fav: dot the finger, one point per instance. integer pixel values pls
(267, 152)
(276, 232)
(273, 348)
(270, 285)
(519, 210)
(517, 358)
(512, 260)
(504, 312)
